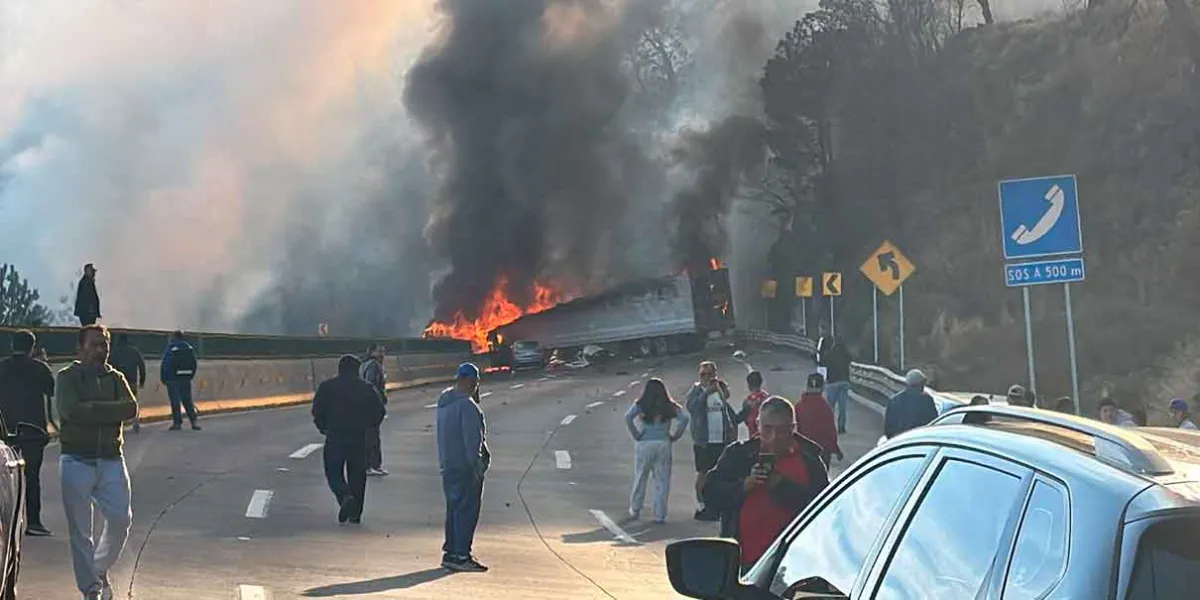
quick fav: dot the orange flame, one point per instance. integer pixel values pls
(497, 311)
(715, 263)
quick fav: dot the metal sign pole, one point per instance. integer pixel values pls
(1071, 348)
(1029, 342)
(804, 315)
(901, 328)
(875, 319)
(832, 321)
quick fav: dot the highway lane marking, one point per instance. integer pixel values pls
(431, 406)
(544, 379)
(646, 374)
(619, 394)
(567, 420)
(485, 394)
(594, 404)
(613, 528)
(252, 592)
(517, 386)
(562, 459)
(257, 508)
(305, 451)
(634, 383)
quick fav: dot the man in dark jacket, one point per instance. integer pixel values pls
(760, 485)
(26, 385)
(463, 458)
(372, 371)
(179, 365)
(713, 426)
(87, 299)
(911, 408)
(343, 409)
(837, 360)
(127, 359)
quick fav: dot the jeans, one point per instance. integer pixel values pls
(180, 392)
(103, 483)
(464, 499)
(838, 395)
(374, 449)
(33, 451)
(651, 456)
(346, 469)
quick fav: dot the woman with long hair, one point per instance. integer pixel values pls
(655, 421)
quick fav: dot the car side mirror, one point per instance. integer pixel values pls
(705, 568)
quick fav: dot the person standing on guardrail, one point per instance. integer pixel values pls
(94, 402)
(127, 359)
(837, 360)
(1181, 414)
(759, 486)
(179, 365)
(343, 409)
(757, 395)
(373, 372)
(662, 422)
(713, 426)
(26, 386)
(911, 408)
(814, 418)
(463, 459)
(87, 299)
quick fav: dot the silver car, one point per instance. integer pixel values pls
(989, 502)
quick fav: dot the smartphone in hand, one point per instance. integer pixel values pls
(765, 465)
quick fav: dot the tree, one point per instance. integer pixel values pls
(18, 302)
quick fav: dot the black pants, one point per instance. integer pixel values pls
(33, 451)
(374, 449)
(85, 321)
(346, 468)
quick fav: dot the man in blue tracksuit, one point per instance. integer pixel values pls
(177, 371)
(463, 458)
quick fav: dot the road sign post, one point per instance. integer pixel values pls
(1029, 342)
(875, 320)
(769, 288)
(831, 287)
(1071, 348)
(902, 328)
(888, 269)
(804, 291)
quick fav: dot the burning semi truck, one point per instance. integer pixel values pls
(665, 315)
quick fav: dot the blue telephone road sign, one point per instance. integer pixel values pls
(1063, 270)
(1040, 217)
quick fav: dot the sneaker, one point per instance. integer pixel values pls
(137, 427)
(382, 472)
(175, 427)
(37, 531)
(196, 426)
(344, 508)
(472, 565)
(354, 520)
(451, 563)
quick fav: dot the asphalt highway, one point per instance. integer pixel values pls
(241, 509)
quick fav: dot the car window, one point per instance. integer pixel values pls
(949, 543)
(1168, 562)
(833, 546)
(1041, 550)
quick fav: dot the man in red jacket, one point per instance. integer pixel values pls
(814, 418)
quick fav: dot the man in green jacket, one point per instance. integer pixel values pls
(94, 400)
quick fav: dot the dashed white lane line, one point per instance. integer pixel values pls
(305, 451)
(252, 592)
(543, 379)
(567, 420)
(431, 406)
(259, 502)
(517, 386)
(645, 375)
(485, 394)
(613, 528)
(594, 404)
(562, 459)
(619, 393)
(634, 384)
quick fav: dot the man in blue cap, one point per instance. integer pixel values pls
(1182, 414)
(463, 458)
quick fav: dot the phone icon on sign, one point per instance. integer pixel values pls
(1058, 201)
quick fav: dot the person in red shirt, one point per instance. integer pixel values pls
(749, 414)
(760, 485)
(814, 418)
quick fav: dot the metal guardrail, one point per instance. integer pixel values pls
(880, 382)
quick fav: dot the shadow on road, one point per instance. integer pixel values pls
(374, 586)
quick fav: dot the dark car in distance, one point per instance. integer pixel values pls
(989, 502)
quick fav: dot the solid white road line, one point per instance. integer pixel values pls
(594, 404)
(562, 459)
(544, 379)
(619, 394)
(517, 386)
(613, 528)
(258, 504)
(431, 406)
(252, 592)
(567, 420)
(305, 451)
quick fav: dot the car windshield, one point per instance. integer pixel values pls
(1168, 562)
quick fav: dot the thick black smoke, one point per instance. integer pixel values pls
(720, 157)
(521, 100)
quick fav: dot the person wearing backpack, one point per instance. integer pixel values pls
(178, 369)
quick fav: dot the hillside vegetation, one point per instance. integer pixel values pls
(887, 133)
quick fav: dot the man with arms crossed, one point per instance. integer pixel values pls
(93, 401)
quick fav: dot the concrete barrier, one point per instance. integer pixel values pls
(238, 385)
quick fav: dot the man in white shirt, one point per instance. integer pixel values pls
(713, 426)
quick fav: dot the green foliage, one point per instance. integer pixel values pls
(18, 302)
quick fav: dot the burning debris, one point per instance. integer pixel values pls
(497, 310)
